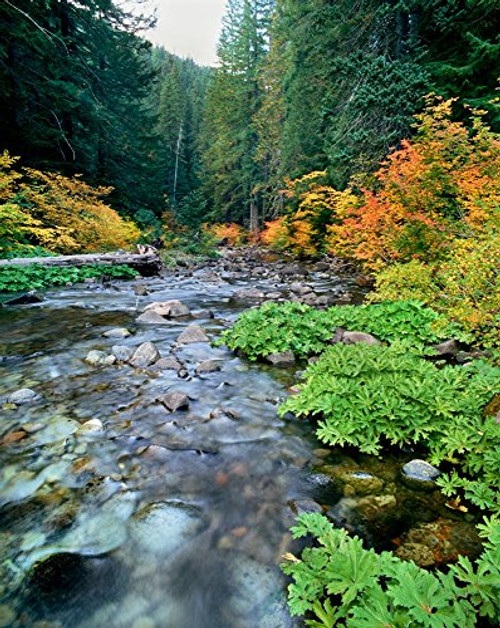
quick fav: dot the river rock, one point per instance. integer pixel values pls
(365, 281)
(151, 318)
(162, 528)
(293, 269)
(192, 334)
(250, 294)
(145, 355)
(168, 309)
(449, 348)
(420, 474)
(99, 358)
(122, 353)
(353, 337)
(94, 426)
(23, 397)
(208, 366)
(361, 483)
(168, 364)
(174, 401)
(321, 267)
(25, 299)
(416, 552)
(302, 506)
(118, 332)
(281, 360)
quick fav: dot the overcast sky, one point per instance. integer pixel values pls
(189, 28)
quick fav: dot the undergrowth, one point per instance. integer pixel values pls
(274, 327)
(37, 277)
(340, 583)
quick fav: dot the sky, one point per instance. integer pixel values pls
(189, 28)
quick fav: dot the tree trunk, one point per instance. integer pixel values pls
(147, 264)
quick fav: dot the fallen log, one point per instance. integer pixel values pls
(147, 264)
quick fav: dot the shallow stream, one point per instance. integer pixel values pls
(167, 519)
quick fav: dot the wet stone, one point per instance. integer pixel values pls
(23, 397)
(168, 364)
(192, 334)
(145, 355)
(118, 332)
(151, 318)
(99, 358)
(281, 360)
(174, 401)
(122, 353)
(168, 309)
(208, 366)
(420, 474)
(94, 426)
(302, 506)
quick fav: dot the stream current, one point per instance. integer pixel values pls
(167, 519)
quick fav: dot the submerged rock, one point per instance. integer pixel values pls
(250, 294)
(99, 358)
(281, 360)
(145, 355)
(192, 334)
(23, 397)
(162, 528)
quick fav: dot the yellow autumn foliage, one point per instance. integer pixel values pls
(62, 214)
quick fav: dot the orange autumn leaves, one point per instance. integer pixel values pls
(442, 185)
(58, 213)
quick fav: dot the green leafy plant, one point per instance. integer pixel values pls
(340, 583)
(304, 330)
(37, 277)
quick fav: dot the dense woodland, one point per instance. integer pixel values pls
(366, 130)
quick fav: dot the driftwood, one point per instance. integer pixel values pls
(147, 264)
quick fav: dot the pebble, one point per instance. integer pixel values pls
(23, 397)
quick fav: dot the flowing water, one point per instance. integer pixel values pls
(174, 520)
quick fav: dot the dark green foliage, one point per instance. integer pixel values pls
(340, 583)
(38, 277)
(306, 331)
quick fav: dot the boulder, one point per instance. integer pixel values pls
(23, 397)
(99, 358)
(192, 334)
(24, 299)
(174, 401)
(281, 360)
(321, 267)
(145, 355)
(168, 309)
